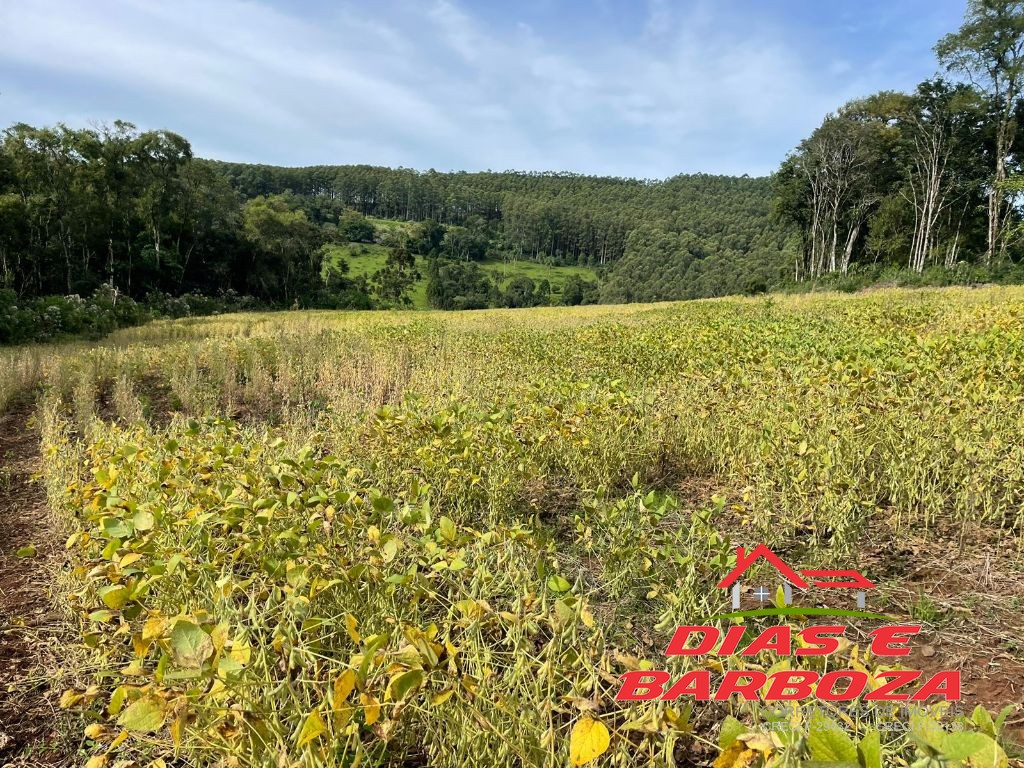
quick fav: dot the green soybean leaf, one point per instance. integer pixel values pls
(870, 749)
(731, 730)
(402, 685)
(961, 745)
(558, 584)
(114, 596)
(145, 715)
(828, 741)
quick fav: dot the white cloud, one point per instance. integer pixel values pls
(659, 18)
(422, 84)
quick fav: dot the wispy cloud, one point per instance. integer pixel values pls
(695, 86)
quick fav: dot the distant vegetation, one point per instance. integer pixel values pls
(919, 188)
(134, 213)
(688, 236)
(365, 259)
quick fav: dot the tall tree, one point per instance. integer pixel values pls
(834, 180)
(290, 243)
(941, 126)
(394, 281)
(989, 50)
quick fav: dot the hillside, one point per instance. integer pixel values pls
(718, 230)
(365, 259)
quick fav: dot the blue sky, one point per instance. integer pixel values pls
(646, 88)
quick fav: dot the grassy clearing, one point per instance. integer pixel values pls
(503, 271)
(391, 225)
(367, 258)
(439, 538)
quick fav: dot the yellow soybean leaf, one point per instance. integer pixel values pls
(145, 715)
(132, 557)
(589, 740)
(737, 756)
(178, 728)
(587, 618)
(343, 687)
(438, 699)
(389, 550)
(342, 717)
(351, 622)
(761, 742)
(371, 707)
(153, 628)
(313, 728)
(241, 651)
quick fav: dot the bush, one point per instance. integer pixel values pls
(49, 318)
(458, 285)
(578, 291)
(355, 228)
(521, 292)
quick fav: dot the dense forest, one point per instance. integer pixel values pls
(922, 181)
(132, 213)
(894, 186)
(557, 218)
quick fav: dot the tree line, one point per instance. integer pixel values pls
(919, 181)
(922, 184)
(135, 213)
(133, 210)
(558, 218)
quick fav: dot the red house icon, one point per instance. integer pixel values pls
(822, 579)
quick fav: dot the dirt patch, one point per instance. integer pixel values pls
(31, 731)
(157, 399)
(965, 586)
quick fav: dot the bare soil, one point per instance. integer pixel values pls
(33, 729)
(965, 587)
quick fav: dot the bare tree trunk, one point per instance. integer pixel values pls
(954, 248)
(851, 240)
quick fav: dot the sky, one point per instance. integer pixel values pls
(640, 88)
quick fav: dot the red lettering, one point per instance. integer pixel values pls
(651, 681)
(733, 636)
(899, 678)
(827, 685)
(774, 640)
(747, 691)
(696, 684)
(884, 639)
(798, 682)
(945, 684)
(818, 641)
(677, 647)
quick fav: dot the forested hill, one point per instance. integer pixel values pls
(687, 236)
(135, 214)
